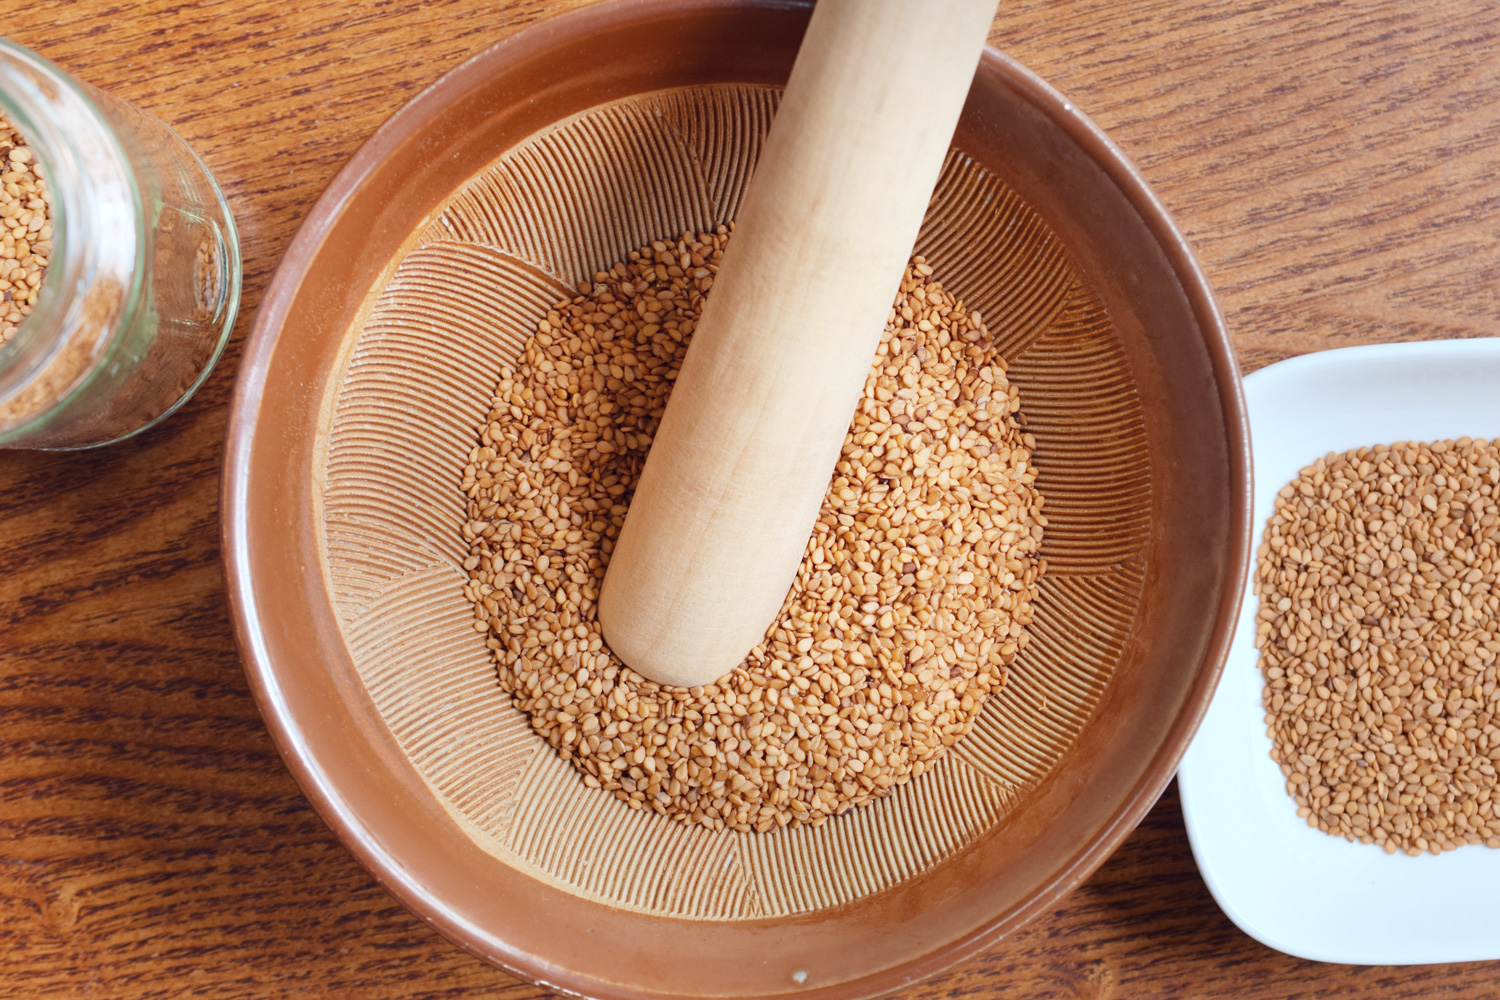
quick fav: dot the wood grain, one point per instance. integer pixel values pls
(1333, 163)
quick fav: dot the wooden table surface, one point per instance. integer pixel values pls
(1337, 165)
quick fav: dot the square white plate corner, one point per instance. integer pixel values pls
(1284, 883)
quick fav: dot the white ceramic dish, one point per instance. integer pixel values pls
(1284, 883)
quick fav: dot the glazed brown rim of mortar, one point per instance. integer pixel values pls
(288, 722)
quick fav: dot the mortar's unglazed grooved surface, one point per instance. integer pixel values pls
(546, 215)
(1091, 455)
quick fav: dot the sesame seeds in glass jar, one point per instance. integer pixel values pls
(25, 229)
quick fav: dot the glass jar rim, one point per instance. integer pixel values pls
(64, 127)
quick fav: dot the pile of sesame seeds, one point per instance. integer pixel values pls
(1379, 631)
(908, 606)
(25, 230)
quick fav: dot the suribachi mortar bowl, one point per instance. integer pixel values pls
(420, 273)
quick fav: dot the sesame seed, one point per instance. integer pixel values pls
(1379, 646)
(25, 230)
(906, 610)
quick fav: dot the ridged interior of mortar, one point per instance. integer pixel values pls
(516, 238)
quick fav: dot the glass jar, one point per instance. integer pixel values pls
(143, 281)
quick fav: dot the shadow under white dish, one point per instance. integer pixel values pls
(1286, 884)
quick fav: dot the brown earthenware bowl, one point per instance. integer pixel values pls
(419, 274)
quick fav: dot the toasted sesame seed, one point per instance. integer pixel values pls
(25, 230)
(905, 612)
(1378, 639)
